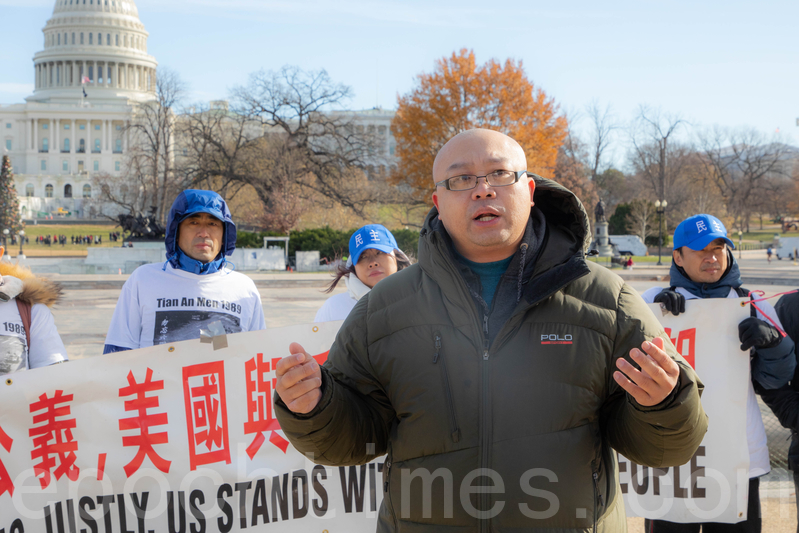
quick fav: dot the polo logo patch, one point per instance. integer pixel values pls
(556, 339)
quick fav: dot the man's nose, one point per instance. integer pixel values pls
(483, 190)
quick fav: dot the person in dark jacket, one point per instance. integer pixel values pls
(501, 371)
(704, 267)
(784, 401)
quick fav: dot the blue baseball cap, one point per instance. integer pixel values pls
(698, 231)
(371, 236)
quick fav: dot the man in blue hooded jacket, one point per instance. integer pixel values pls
(170, 302)
(703, 267)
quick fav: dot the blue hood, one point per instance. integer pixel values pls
(187, 203)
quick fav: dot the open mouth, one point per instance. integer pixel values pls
(485, 217)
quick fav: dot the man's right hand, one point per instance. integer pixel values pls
(299, 380)
(673, 301)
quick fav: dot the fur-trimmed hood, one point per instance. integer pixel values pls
(35, 290)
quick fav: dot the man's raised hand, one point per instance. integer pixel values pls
(657, 377)
(299, 380)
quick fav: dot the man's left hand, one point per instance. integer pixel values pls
(655, 380)
(753, 332)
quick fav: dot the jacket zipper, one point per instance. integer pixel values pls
(453, 421)
(387, 488)
(598, 502)
(485, 525)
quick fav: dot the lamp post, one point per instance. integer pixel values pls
(660, 208)
(740, 237)
(6, 255)
(21, 240)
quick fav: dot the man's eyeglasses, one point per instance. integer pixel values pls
(498, 178)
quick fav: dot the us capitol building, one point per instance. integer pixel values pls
(92, 72)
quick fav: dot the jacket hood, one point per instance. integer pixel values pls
(566, 219)
(35, 290)
(193, 201)
(563, 209)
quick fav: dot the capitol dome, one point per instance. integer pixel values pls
(99, 46)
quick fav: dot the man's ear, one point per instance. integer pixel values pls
(435, 203)
(531, 183)
(677, 256)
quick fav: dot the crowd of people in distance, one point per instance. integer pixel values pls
(88, 240)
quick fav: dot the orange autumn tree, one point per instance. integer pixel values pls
(460, 95)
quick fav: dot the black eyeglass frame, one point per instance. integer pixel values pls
(445, 183)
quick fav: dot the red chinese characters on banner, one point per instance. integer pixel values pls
(260, 418)
(685, 344)
(143, 422)
(54, 427)
(206, 413)
(6, 483)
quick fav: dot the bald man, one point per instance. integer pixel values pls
(499, 371)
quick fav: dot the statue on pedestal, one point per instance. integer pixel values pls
(599, 211)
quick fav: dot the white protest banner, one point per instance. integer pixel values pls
(713, 486)
(174, 438)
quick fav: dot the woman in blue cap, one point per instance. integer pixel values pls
(374, 255)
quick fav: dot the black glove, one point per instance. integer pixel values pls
(754, 332)
(673, 301)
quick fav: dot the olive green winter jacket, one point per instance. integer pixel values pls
(512, 435)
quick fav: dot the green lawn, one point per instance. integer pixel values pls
(34, 250)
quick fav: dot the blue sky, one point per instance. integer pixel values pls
(732, 63)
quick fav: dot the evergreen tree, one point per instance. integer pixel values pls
(9, 203)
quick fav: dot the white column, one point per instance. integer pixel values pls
(125, 138)
(102, 137)
(57, 135)
(36, 135)
(74, 126)
(31, 142)
(96, 77)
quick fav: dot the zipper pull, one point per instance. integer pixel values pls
(596, 486)
(438, 349)
(485, 355)
(485, 324)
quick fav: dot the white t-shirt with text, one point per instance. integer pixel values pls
(46, 345)
(159, 306)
